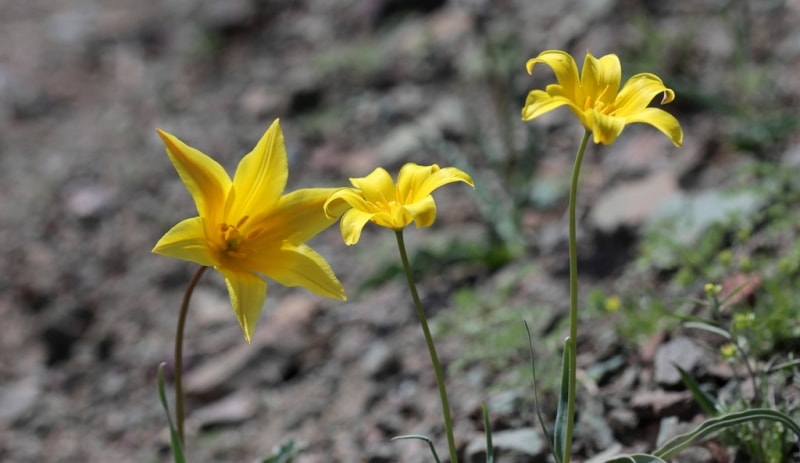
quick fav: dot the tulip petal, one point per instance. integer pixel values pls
(299, 215)
(423, 211)
(352, 223)
(662, 120)
(540, 102)
(440, 178)
(186, 241)
(205, 178)
(296, 264)
(377, 187)
(410, 179)
(565, 69)
(247, 292)
(606, 129)
(600, 78)
(261, 175)
(638, 92)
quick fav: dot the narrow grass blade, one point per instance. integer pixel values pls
(635, 458)
(560, 427)
(422, 438)
(488, 427)
(704, 399)
(714, 425)
(709, 328)
(175, 441)
(547, 436)
(286, 453)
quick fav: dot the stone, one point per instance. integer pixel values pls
(523, 445)
(630, 204)
(661, 403)
(228, 411)
(679, 352)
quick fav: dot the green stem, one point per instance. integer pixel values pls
(573, 295)
(187, 296)
(437, 368)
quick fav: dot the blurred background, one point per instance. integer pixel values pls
(86, 190)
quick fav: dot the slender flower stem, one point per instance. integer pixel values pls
(437, 368)
(187, 296)
(573, 295)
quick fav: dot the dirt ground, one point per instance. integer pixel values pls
(86, 189)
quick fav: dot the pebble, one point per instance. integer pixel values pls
(679, 352)
(523, 445)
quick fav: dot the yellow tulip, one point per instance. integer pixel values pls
(247, 229)
(377, 199)
(595, 97)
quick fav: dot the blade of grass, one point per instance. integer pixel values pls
(547, 436)
(174, 439)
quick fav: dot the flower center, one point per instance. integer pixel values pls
(597, 102)
(233, 240)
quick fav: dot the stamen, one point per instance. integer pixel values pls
(242, 221)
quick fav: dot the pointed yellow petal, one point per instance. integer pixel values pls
(352, 223)
(296, 264)
(565, 69)
(299, 215)
(606, 129)
(376, 187)
(600, 78)
(662, 120)
(410, 179)
(540, 102)
(206, 180)
(261, 175)
(638, 92)
(247, 292)
(343, 199)
(423, 212)
(440, 178)
(186, 241)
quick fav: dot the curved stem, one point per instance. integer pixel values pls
(573, 294)
(187, 296)
(437, 368)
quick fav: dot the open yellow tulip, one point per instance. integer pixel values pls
(377, 199)
(247, 229)
(595, 97)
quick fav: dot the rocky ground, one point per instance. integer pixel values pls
(88, 312)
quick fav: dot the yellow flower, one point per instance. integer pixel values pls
(377, 199)
(596, 100)
(247, 229)
(728, 350)
(612, 304)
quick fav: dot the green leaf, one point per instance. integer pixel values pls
(560, 437)
(174, 439)
(285, 453)
(547, 435)
(422, 438)
(714, 425)
(635, 458)
(488, 426)
(704, 399)
(708, 327)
